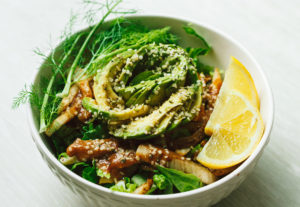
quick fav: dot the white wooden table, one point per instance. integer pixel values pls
(270, 29)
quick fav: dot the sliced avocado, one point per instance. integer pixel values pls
(126, 72)
(164, 123)
(154, 91)
(135, 94)
(144, 76)
(132, 62)
(122, 104)
(197, 101)
(191, 107)
(91, 105)
(153, 77)
(175, 124)
(160, 128)
(127, 92)
(180, 118)
(133, 98)
(169, 61)
(145, 89)
(158, 93)
(145, 126)
(141, 77)
(140, 96)
(105, 96)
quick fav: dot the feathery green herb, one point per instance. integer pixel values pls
(48, 105)
(110, 8)
(25, 95)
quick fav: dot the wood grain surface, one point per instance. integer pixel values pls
(269, 29)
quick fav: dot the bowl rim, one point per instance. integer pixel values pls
(263, 142)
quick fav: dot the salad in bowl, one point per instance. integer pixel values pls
(133, 109)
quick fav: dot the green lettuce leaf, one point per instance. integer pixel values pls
(102, 174)
(188, 29)
(90, 174)
(202, 68)
(79, 164)
(93, 132)
(124, 186)
(152, 189)
(163, 183)
(196, 148)
(139, 179)
(182, 181)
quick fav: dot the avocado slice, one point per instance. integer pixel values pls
(105, 96)
(126, 72)
(158, 94)
(155, 84)
(150, 125)
(140, 96)
(141, 77)
(197, 101)
(119, 115)
(133, 61)
(169, 75)
(165, 123)
(192, 108)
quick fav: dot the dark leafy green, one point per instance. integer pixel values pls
(182, 181)
(163, 183)
(127, 180)
(64, 137)
(90, 174)
(202, 68)
(160, 180)
(188, 29)
(77, 165)
(152, 189)
(93, 132)
(107, 185)
(194, 53)
(194, 150)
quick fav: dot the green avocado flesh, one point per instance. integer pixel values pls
(147, 91)
(118, 115)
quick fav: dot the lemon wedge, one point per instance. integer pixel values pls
(235, 126)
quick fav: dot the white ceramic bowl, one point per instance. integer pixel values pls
(223, 47)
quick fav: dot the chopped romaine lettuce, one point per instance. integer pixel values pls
(124, 186)
(102, 174)
(182, 181)
(163, 183)
(139, 179)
